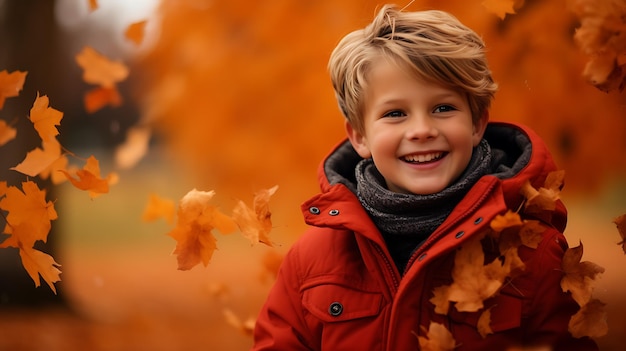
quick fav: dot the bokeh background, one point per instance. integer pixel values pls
(237, 97)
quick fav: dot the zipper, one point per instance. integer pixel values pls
(437, 234)
(388, 264)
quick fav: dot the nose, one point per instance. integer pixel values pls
(421, 128)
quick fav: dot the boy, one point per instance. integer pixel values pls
(419, 180)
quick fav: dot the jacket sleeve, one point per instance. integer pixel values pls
(550, 308)
(280, 324)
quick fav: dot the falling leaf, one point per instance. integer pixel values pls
(99, 70)
(246, 328)
(39, 263)
(579, 277)
(53, 170)
(89, 178)
(196, 220)
(39, 160)
(256, 223)
(27, 207)
(438, 338)
(159, 207)
(99, 97)
(531, 233)
(10, 84)
(93, 5)
(134, 148)
(135, 32)
(589, 321)
(484, 321)
(45, 118)
(500, 7)
(7, 133)
(620, 222)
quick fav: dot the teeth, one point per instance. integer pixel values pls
(423, 157)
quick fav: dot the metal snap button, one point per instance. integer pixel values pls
(478, 220)
(314, 210)
(333, 212)
(459, 234)
(335, 309)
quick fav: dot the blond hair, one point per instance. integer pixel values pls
(433, 44)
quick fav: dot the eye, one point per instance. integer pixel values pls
(394, 113)
(444, 108)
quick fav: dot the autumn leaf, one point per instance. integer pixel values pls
(53, 170)
(500, 7)
(193, 232)
(255, 223)
(589, 321)
(508, 220)
(438, 338)
(89, 178)
(620, 222)
(159, 207)
(7, 133)
(39, 263)
(28, 210)
(245, 327)
(544, 198)
(473, 281)
(45, 118)
(39, 160)
(93, 5)
(484, 321)
(531, 233)
(10, 84)
(100, 70)
(579, 277)
(135, 32)
(134, 148)
(99, 97)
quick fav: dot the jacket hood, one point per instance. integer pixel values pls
(519, 155)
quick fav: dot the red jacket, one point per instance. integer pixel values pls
(338, 288)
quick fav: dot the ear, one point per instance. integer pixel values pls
(358, 141)
(479, 128)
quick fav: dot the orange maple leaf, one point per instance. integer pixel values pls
(93, 5)
(193, 232)
(10, 84)
(99, 70)
(89, 178)
(579, 277)
(473, 281)
(45, 118)
(589, 321)
(500, 7)
(245, 327)
(544, 198)
(159, 207)
(39, 263)
(256, 223)
(134, 147)
(438, 338)
(7, 133)
(39, 160)
(135, 32)
(620, 222)
(99, 97)
(29, 209)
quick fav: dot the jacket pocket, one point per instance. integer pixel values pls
(338, 303)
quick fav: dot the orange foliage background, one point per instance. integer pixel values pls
(239, 99)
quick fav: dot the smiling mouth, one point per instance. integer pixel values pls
(424, 158)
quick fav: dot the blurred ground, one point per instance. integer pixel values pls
(124, 292)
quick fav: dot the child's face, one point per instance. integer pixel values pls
(420, 135)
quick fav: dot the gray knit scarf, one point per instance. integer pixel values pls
(406, 220)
